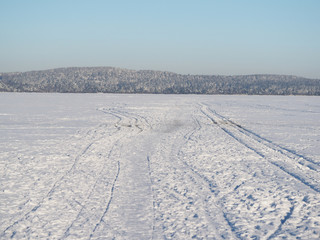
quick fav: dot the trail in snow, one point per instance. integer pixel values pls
(159, 167)
(308, 175)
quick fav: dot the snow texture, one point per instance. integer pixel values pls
(107, 166)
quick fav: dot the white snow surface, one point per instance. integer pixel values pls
(108, 166)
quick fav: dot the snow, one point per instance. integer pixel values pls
(108, 166)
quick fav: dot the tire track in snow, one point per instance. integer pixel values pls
(232, 226)
(138, 118)
(126, 121)
(131, 116)
(285, 151)
(50, 192)
(282, 222)
(198, 181)
(84, 206)
(153, 198)
(109, 202)
(313, 165)
(122, 117)
(212, 187)
(287, 164)
(59, 182)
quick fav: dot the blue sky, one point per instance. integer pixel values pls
(226, 37)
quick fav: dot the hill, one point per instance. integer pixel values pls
(117, 80)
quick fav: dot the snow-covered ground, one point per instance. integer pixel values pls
(106, 166)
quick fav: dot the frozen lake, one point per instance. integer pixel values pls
(108, 166)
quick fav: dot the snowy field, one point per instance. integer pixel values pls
(107, 166)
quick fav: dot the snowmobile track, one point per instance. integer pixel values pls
(273, 153)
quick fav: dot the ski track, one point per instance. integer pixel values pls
(194, 186)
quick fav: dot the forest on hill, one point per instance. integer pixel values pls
(117, 80)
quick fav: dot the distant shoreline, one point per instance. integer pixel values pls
(118, 80)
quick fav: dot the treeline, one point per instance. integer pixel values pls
(116, 80)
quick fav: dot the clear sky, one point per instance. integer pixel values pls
(225, 37)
